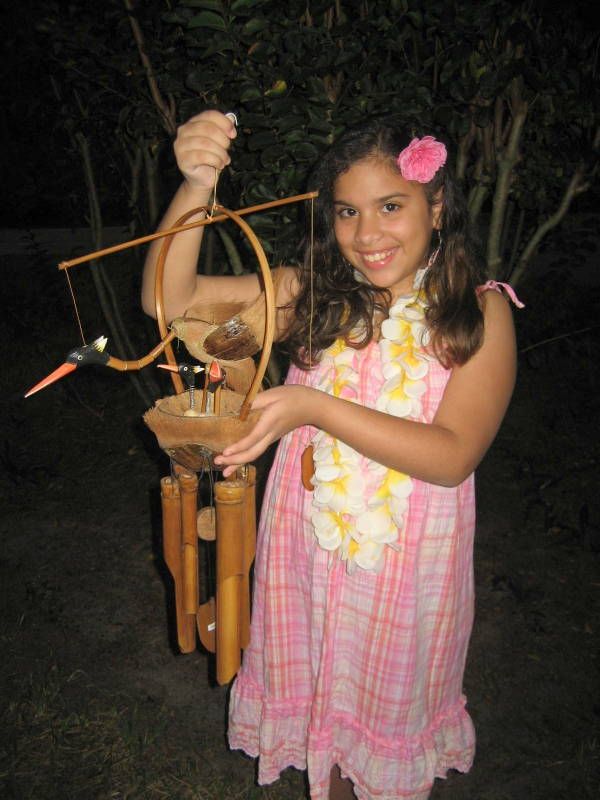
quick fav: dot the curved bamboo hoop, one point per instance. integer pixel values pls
(269, 299)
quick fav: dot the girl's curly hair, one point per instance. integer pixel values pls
(341, 303)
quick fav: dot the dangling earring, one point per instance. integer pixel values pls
(436, 252)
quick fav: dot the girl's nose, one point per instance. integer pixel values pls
(367, 230)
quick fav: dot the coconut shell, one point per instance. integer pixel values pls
(192, 442)
(228, 332)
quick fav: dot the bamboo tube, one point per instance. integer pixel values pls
(204, 393)
(249, 545)
(171, 516)
(189, 490)
(179, 227)
(217, 401)
(230, 506)
(140, 363)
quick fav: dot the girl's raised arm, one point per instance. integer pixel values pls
(202, 151)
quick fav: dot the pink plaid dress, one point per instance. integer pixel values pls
(362, 670)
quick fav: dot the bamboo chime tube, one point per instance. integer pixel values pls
(230, 507)
(189, 492)
(249, 545)
(172, 551)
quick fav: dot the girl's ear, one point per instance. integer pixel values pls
(436, 209)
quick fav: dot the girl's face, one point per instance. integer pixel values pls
(383, 224)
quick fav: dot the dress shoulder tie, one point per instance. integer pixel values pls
(497, 286)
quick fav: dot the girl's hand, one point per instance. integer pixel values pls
(202, 145)
(283, 409)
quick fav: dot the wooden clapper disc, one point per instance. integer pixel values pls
(232, 336)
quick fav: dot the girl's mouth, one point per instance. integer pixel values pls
(377, 259)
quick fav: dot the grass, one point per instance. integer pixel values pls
(113, 749)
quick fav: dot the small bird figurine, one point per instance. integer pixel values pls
(93, 353)
(211, 393)
(188, 372)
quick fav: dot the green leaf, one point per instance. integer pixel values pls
(207, 19)
(173, 18)
(305, 151)
(244, 5)
(290, 122)
(258, 141)
(211, 5)
(254, 25)
(271, 156)
(250, 93)
(259, 193)
(218, 44)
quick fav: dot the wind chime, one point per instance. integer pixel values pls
(224, 338)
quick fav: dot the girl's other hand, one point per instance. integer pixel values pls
(202, 145)
(284, 408)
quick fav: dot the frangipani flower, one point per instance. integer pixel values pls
(407, 309)
(342, 494)
(396, 330)
(399, 358)
(398, 396)
(396, 484)
(369, 555)
(331, 529)
(376, 526)
(346, 380)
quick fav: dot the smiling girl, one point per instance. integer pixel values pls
(402, 369)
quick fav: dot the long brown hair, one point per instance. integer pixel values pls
(341, 304)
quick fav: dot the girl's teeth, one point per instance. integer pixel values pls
(377, 256)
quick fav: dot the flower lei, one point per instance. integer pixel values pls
(360, 506)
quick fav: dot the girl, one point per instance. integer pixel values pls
(403, 367)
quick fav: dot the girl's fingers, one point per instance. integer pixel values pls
(237, 447)
(202, 145)
(215, 118)
(217, 133)
(243, 453)
(199, 149)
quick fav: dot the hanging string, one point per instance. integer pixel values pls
(312, 295)
(214, 195)
(77, 317)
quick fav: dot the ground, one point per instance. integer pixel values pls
(96, 702)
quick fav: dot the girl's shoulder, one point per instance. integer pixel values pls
(286, 282)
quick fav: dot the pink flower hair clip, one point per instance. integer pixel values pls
(422, 159)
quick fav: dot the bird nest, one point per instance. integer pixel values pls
(192, 442)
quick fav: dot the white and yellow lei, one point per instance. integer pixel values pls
(359, 506)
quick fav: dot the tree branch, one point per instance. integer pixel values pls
(506, 165)
(165, 109)
(576, 186)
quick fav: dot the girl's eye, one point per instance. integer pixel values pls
(345, 213)
(389, 208)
